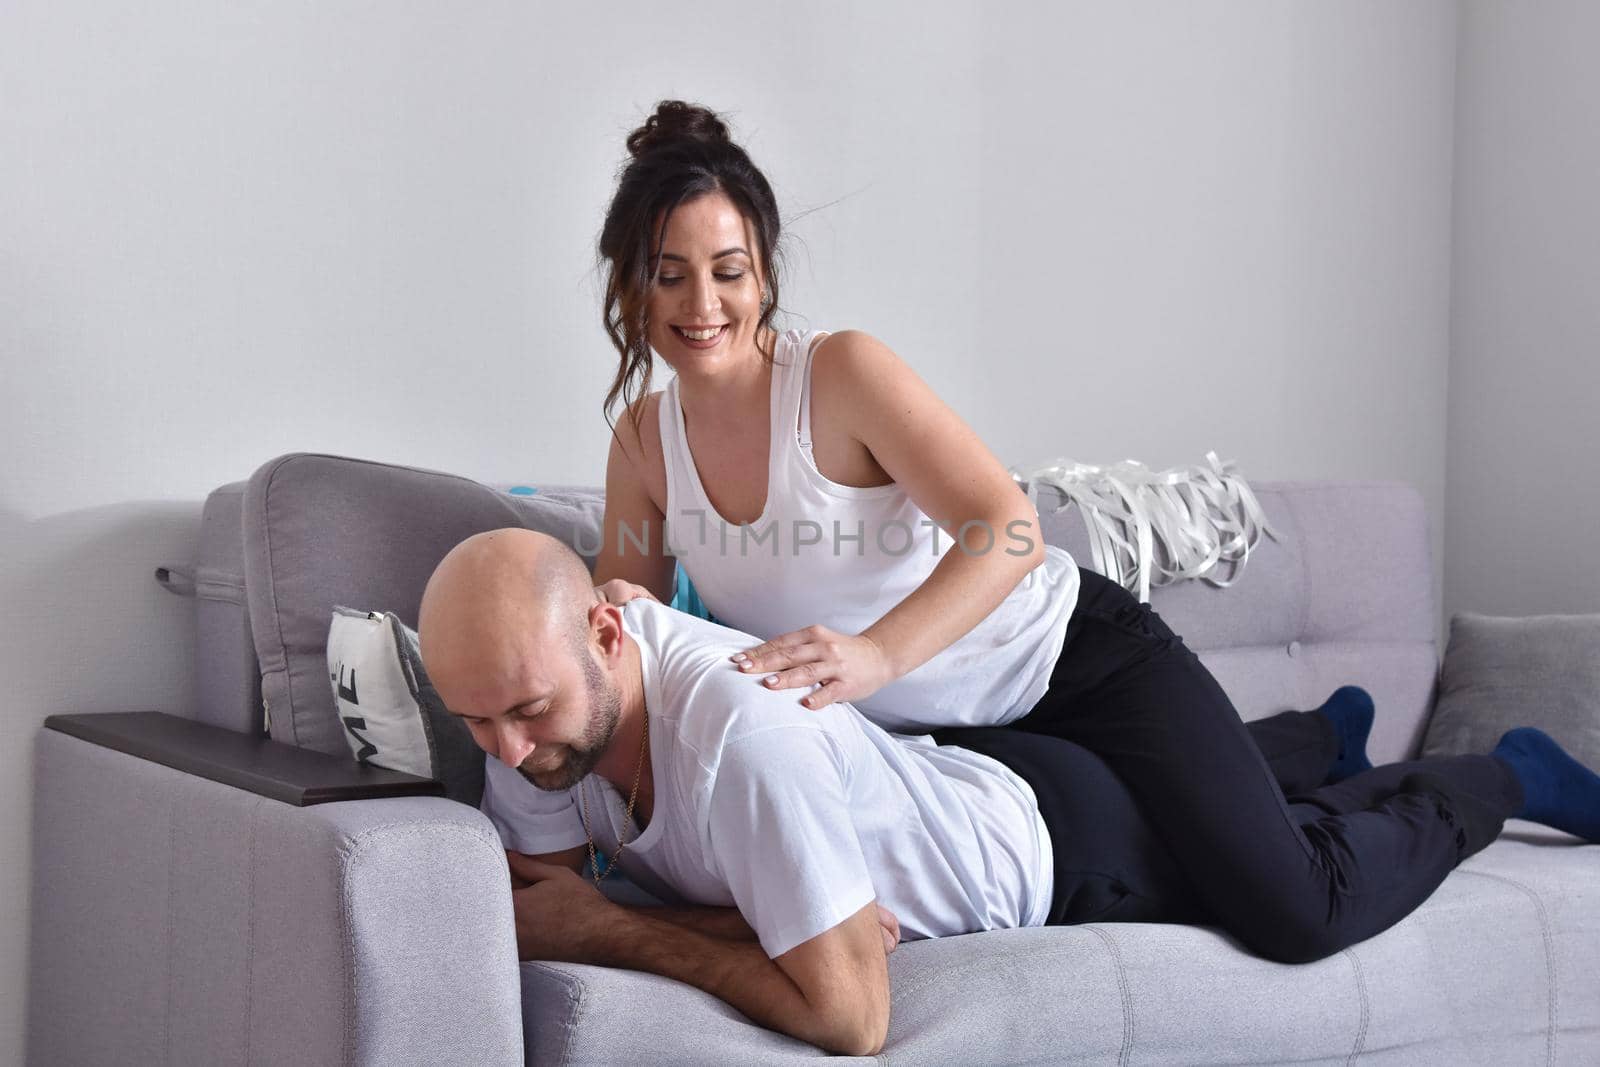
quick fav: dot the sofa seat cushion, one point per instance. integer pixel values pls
(1498, 966)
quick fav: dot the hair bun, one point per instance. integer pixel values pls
(676, 121)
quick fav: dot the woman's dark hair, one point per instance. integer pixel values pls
(681, 153)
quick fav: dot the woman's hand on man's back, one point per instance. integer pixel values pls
(618, 591)
(846, 666)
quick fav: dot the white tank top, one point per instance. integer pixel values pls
(843, 556)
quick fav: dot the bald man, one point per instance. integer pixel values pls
(629, 730)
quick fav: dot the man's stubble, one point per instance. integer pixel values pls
(605, 709)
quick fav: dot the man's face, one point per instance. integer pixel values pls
(561, 766)
(550, 716)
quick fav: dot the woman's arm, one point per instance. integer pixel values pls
(950, 474)
(633, 545)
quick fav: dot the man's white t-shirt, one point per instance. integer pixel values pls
(798, 818)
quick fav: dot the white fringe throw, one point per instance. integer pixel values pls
(1158, 527)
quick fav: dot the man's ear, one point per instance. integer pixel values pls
(605, 629)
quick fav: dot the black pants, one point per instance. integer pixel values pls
(1163, 806)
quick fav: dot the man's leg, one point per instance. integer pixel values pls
(1477, 792)
(1110, 865)
(1299, 747)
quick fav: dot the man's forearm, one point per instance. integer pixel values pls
(724, 923)
(738, 972)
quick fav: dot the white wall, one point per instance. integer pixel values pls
(1107, 230)
(1524, 437)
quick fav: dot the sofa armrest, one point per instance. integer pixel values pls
(283, 772)
(180, 919)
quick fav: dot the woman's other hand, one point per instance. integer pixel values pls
(617, 591)
(847, 666)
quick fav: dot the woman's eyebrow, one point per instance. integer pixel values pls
(736, 250)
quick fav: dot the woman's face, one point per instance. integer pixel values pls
(709, 281)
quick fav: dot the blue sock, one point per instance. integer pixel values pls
(1558, 790)
(1350, 710)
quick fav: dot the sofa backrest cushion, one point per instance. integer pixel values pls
(320, 531)
(1343, 596)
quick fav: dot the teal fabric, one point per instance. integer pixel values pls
(685, 599)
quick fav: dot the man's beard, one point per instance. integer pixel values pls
(605, 708)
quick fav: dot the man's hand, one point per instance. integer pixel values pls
(573, 859)
(889, 926)
(847, 666)
(554, 910)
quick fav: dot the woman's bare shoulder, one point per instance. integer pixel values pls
(640, 444)
(639, 447)
(846, 361)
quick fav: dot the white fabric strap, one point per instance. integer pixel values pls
(1158, 527)
(803, 425)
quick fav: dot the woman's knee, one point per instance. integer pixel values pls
(1294, 935)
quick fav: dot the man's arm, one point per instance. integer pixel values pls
(726, 923)
(832, 990)
(713, 922)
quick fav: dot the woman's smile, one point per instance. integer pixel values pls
(707, 296)
(702, 337)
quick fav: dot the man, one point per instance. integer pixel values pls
(630, 729)
(804, 821)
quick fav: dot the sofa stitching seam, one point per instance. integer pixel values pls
(250, 930)
(1303, 556)
(906, 988)
(1313, 642)
(1553, 1013)
(577, 995)
(1122, 990)
(579, 1009)
(172, 906)
(272, 593)
(349, 952)
(1366, 1007)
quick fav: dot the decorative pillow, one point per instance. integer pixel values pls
(1498, 673)
(391, 714)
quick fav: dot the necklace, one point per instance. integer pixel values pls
(633, 795)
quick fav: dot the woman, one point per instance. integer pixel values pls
(793, 476)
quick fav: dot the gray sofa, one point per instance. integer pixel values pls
(183, 913)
